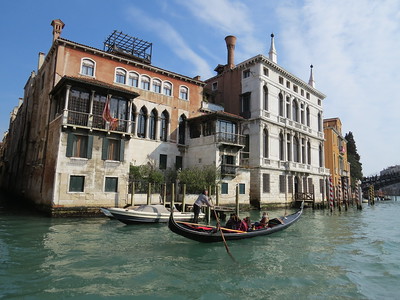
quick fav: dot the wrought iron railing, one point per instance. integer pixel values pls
(230, 138)
(228, 169)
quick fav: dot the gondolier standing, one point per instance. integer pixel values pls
(201, 200)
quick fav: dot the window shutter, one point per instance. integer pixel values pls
(122, 150)
(104, 149)
(89, 147)
(266, 185)
(70, 144)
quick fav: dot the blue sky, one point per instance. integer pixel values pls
(353, 45)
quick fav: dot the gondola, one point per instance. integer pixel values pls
(210, 234)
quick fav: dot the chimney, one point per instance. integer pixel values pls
(230, 45)
(40, 60)
(58, 25)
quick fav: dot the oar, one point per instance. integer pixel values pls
(222, 235)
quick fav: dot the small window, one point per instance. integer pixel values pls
(167, 89)
(319, 102)
(111, 184)
(295, 88)
(76, 183)
(156, 86)
(246, 73)
(87, 67)
(178, 163)
(120, 76)
(308, 96)
(224, 188)
(266, 183)
(288, 84)
(214, 86)
(133, 79)
(145, 83)
(302, 92)
(242, 188)
(282, 183)
(163, 162)
(280, 80)
(266, 71)
(184, 93)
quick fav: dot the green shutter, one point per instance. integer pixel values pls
(70, 144)
(121, 150)
(89, 146)
(104, 149)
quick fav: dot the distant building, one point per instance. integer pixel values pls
(88, 114)
(336, 158)
(282, 126)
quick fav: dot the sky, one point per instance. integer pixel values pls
(354, 47)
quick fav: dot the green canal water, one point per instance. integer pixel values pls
(345, 255)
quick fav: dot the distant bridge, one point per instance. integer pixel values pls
(380, 181)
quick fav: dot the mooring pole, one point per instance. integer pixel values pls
(183, 197)
(172, 196)
(148, 193)
(237, 200)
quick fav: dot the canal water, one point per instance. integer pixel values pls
(344, 255)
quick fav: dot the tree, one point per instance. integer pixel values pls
(353, 158)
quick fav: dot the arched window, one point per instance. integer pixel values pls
(266, 143)
(308, 152)
(265, 96)
(164, 126)
(184, 93)
(145, 82)
(156, 86)
(153, 124)
(289, 148)
(142, 119)
(120, 75)
(167, 88)
(288, 107)
(281, 105)
(295, 111)
(133, 118)
(321, 156)
(281, 147)
(303, 150)
(182, 130)
(87, 67)
(319, 122)
(133, 79)
(308, 116)
(296, 156)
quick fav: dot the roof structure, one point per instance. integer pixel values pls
(128, 45)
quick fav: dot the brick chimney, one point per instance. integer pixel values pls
(58, 25)
(230, 45)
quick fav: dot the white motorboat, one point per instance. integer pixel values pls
(149, 214)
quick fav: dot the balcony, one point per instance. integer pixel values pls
(230, 139)
(228, 169)
(86, 120)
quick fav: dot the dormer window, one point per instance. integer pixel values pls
(87, 67)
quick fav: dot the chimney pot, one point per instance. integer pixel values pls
(58, 26)
(230, 41)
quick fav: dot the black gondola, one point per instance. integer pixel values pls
(210, 234)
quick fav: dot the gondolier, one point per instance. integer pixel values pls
(201, 200)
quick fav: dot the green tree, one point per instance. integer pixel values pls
(353, 158)
(198, 178)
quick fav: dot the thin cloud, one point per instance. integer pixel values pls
(355, 51)
(173, 39)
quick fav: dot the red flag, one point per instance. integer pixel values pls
(107, 115)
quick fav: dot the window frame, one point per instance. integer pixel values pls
(167, 84)
(84, 69)
(115, 155)
(184, 93)
(82, 189)
(79, 143)
(132, 75)
(144, 84)
(119, 76)
(107, 182)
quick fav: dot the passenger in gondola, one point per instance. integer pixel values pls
(231, 223)
(263, 222)
(245, 225)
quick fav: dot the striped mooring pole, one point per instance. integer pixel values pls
(330, 193)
